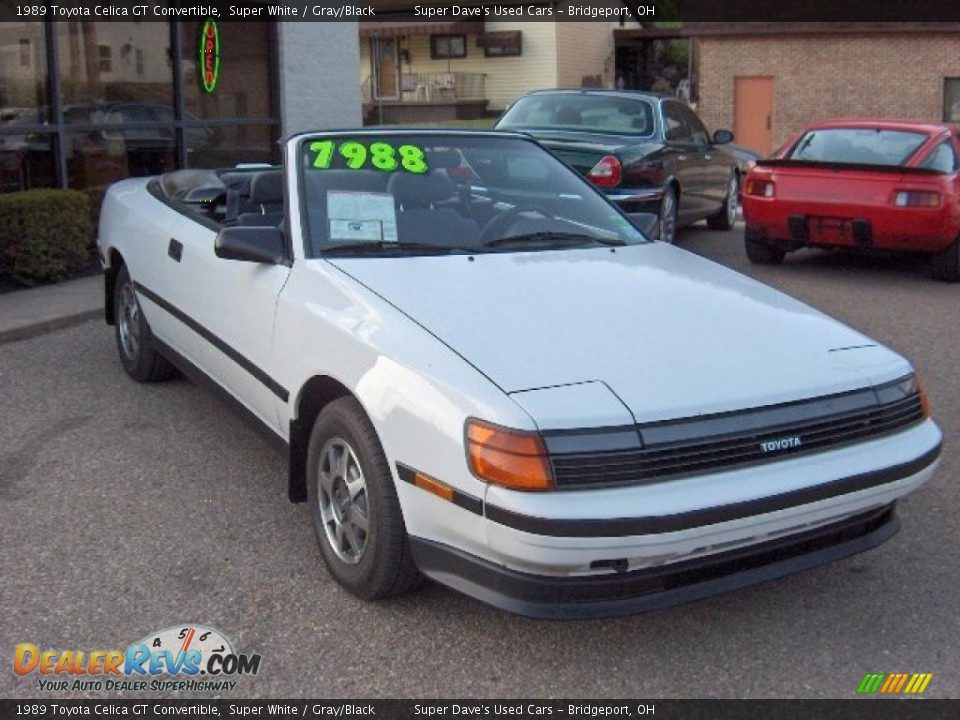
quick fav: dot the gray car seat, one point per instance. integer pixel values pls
(421, 218)
(266, 195)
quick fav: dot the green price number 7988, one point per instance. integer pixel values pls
(379, 155)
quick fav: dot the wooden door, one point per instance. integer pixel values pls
(386, 69)
(753, 113)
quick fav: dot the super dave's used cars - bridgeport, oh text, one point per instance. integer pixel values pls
(482, 372)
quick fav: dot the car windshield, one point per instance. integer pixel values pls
(392, 193)
(581, 113)
(857, 146)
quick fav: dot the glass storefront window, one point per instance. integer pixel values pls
(115, 115)
(219, 147)
(243, 83)
(23, 74)
(113, 62)
(99, 157)
(26, 162)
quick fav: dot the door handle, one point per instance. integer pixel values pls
(175, 249)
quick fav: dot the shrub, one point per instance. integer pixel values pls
(95, 194)
(44, 234)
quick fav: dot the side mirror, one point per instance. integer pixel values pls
(722, 137)
(251, 244)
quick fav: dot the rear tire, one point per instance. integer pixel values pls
(945, 266)
(134, 339)
(354, 507)
(760, 252)
(668, 216)
(726, 216)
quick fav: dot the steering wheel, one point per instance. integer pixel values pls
(500, 222)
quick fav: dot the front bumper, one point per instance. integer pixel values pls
(624, 593)
(584, 553)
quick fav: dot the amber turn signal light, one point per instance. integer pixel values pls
(431, 485)
(514, 459)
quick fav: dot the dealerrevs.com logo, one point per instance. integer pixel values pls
(185, 658)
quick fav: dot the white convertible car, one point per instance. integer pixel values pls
(482, 372)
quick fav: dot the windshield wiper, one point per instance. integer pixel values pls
(553, 238)
(358, 248)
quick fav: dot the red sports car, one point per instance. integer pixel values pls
(860, 184)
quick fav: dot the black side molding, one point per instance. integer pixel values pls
(460, 499)
(656, 524)
(274, 387)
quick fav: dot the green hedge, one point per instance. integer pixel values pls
(95, 194)
(44, 234)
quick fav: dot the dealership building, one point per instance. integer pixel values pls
(83, 104)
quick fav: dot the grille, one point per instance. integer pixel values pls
(697, 455)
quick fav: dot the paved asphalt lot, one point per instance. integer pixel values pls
(127, 509)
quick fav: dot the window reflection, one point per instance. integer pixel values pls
(217, 147)
(98, 157)
(114, 61)
(23, 73)
(116, 102)
(243, 85)
(26, 161)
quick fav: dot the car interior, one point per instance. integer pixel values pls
(448, 206)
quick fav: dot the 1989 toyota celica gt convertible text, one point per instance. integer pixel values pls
(482, 372)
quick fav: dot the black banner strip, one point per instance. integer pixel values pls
(876, 707)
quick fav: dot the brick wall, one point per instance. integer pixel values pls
(818, 77)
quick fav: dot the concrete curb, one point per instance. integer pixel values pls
(48, 326)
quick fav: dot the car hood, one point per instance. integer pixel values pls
(670, 334)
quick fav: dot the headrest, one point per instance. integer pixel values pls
(266, 188)
(420, 191)
(443, 158)
(178, 183)
(569, 115)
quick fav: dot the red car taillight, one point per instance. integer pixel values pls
(760, 188)
(606, 173)
(916, 198)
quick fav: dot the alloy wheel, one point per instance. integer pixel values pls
(342, 499)
(732, 200)
(128, 320)
(668, 217)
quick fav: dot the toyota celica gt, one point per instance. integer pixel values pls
(481, 372)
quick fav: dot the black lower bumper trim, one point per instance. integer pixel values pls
(648, 589)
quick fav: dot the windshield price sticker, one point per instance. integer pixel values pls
(361, 216)
(376, 155)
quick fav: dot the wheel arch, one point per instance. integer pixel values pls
(316, 393)
(674, 183)
(115, 262)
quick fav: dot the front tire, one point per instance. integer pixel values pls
(760, 252)
(726, 216)
(134, 338)
(945, 266)
(354, 507)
